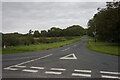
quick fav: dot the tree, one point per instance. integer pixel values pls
(54, 32)
(106, 22)
(36, 33)
(43, 33)
(74, 30)
(30, 31)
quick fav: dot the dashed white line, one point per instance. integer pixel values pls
(106, 76)
(78, 74)
(37, 67)
(107, 72)
(65, 49)
(28, 70)
(52, 72)
(89, 71)
(75, 45)
(58, 69)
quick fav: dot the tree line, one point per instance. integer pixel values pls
(74, 30)
(14, 39)
(106, 22)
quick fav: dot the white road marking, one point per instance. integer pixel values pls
(20, 66)
(75, 45)
(37, 67)
(51, 72)
(62, 50)
(89, 71)
(28, 70)
(58, 69)
(65, 49)
(67, 57)
(8, 68)
(34, 59)
(107, 72)
(106, 76)
(31, 60)
(78, 74)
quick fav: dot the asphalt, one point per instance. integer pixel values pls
(81, 63)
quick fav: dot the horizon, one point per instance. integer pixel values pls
(38, 30)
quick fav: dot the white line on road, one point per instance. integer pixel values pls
(34, 59)
(69, 56)
(89, 71)
(51, 72)
(30, 61)
(109, 72)
(78, 74)
(58, 69)
(75, 45)
(20, 66)
(106, 76)
(65, 49)
(37, 67)
(8, 68)
(28, 70)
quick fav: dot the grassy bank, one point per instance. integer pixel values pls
(103, 47)
(38, 47)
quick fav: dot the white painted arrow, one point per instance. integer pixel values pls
(69, 56)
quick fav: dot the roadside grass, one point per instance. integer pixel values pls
(38, 47)
(53, 39)
(103, 47)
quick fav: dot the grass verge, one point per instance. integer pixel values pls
(37, 47)
(103, 47)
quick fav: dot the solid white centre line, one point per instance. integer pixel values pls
(78, 74)
(30, 61)
(89, 71)
(51, 72)
(34, 59)
(28, 70)
(109, 72)
(11, 69)
(37, 67)
(58, 69)
(105, 76)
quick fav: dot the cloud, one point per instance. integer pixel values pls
(22, 16)
(0, 17)
(56, 0)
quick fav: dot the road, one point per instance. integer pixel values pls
(70, 61)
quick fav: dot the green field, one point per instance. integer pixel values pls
(38, 47)
(103, 47)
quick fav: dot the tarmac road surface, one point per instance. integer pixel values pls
(71, 61)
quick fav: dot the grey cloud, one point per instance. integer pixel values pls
(0, 17)
(22, 16)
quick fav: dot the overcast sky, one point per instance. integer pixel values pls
(23, 16)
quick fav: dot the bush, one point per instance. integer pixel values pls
(14, 40)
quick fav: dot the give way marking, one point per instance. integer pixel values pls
(70, 56)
